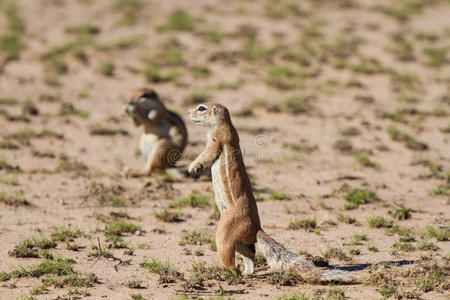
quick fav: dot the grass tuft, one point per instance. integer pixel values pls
(180, 20)
(379, 222)
(306, 224)
(357, 197)
(192, 200)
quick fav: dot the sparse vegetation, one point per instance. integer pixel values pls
(192, 200)
(197, 238)
(441, 234)
(379, 222)
(29, 247)
(13, 200)
(279, 195)
(352, 98)
(167, 272)
(409, 141)
(336, 252)
(402, 213)
(169, 216)
(306, 224)
(120, 227)
(364, 160)
(356, 197)
(107, 68)
(180, 20)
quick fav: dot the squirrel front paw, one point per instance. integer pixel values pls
(127, 172)
(194, 170)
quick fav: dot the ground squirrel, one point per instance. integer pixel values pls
(239, 226)
(165, 135)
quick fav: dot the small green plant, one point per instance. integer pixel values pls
(279, 195)
(282, 77)
(344, 146)
(39, 290)
(192, 200)
(402, 11)
(59, 266)
(197, 238)
(440, 191)
(437, 56)
(75, 280)
(67, 109)
(379, 222)
(4, 276)
(402, 49)
(129, 9)
(356, 197)
(134, 284)
(76, 167)
(293, 296)
(168, 216)
(283, 279)
(364, 160)
(180, 20)
(107, 68)
(11, 43)
(372, 248)
(306, 224)
(59, 66)
(109, 195)
(30, 247)
(402, 213)
(359, 238)
(153, 74)
(335, 252)
(347, 219)
(368, 66)
(441, 234)
(120, 227)
(215, 36)
(66, 234)
(137, 297)
(427, 246)
(167, 272)
(409, 141)
(404, 246)
(350, 131)
(13, 200)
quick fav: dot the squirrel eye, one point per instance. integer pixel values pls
(201, 108)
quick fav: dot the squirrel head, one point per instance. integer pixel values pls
(145, 107)
(209, 114)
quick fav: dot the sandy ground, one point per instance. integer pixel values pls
(356, 71)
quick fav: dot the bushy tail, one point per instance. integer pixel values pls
(281, 259)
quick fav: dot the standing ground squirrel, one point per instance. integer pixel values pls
(165, 135)
(239, 226)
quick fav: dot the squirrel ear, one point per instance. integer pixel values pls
(214, 109)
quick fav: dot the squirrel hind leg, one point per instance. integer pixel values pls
(248, 256)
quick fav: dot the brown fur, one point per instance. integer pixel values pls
(239, 226)
(165, 135)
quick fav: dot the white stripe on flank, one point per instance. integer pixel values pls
(227, 172)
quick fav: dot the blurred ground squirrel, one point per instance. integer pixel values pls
(239, 226)
(165, 135)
